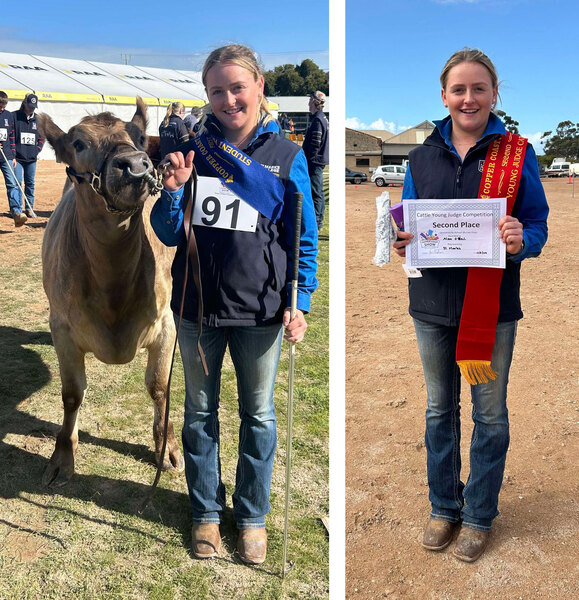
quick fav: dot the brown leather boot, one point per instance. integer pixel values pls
(19, 218)
(470, 544)
(205, 540)
(438, 534)
(252, 546)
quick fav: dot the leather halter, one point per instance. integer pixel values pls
(94, 179)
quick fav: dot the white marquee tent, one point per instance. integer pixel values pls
(69, 89)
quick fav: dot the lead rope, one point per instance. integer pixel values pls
(191, 251)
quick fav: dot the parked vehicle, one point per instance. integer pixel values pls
(558, 170)
(574, 169)
(355, 176)
(389, 174)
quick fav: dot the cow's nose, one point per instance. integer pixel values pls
(134, 163)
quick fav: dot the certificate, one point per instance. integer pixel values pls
(455, 233)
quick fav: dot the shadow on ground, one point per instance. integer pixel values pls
(22, 373)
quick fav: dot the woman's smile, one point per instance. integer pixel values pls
(235, 98)
(470, 97)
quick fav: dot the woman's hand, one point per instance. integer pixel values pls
(296, 328)
(177, 169)
(511, 232)
(404, 238)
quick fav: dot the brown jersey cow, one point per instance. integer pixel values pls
(106, 275)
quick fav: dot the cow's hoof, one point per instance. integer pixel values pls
(180, 465)
(173, 465)
(56, 476)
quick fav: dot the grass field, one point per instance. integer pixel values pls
(86, 541)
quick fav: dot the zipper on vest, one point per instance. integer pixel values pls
(457, 181)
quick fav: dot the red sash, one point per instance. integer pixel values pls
(478, 323)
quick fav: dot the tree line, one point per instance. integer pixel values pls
(296, 80)
(563, 142)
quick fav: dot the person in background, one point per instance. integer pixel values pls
(245, 247)
(284, 125)
(28, 145)
(192, 119)
(451, 164)
(8, 161)
(316, 147)
(172, 130)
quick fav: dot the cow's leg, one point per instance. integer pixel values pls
(156, 378)
(60, 469)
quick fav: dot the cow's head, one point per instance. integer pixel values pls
(106, 157)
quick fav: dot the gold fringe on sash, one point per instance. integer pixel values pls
(477, 371)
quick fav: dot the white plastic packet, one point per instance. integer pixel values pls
(384, 230)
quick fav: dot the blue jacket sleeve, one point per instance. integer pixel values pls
(299, 181)
(167, 217)
(533, 209)
(409, 189)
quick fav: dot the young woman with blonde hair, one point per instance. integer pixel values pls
(244, 225)
(172, 130)
(461, 325)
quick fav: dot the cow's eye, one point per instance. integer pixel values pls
(78, 145)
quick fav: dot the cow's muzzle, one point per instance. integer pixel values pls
(133, 164)
(138, 166)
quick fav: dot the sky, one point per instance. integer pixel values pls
(154, 34)
(395, 51)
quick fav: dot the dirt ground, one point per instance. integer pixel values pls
(27, 513)
(534, 548)
(49, 181)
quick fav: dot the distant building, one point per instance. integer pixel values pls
(395, 150)
(363, 150)
(380, 133)
(366, 150)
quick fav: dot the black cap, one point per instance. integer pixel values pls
(31, 101)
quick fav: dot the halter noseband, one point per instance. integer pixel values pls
(94, 179)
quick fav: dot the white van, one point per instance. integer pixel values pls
(560, 169)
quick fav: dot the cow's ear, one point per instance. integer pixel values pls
(50, 131)
(140, 116)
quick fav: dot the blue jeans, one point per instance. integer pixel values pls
(476, 502)
(12, 191)
(316, 173)
(29, 170)
(255, 353)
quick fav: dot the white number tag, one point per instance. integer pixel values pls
(3, 135)
(29, 139)
(217, 206)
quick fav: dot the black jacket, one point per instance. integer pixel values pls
(437, 173)
(172, 135)
(7, 135)
(316, 144)
(28, 141)
(244, 275)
